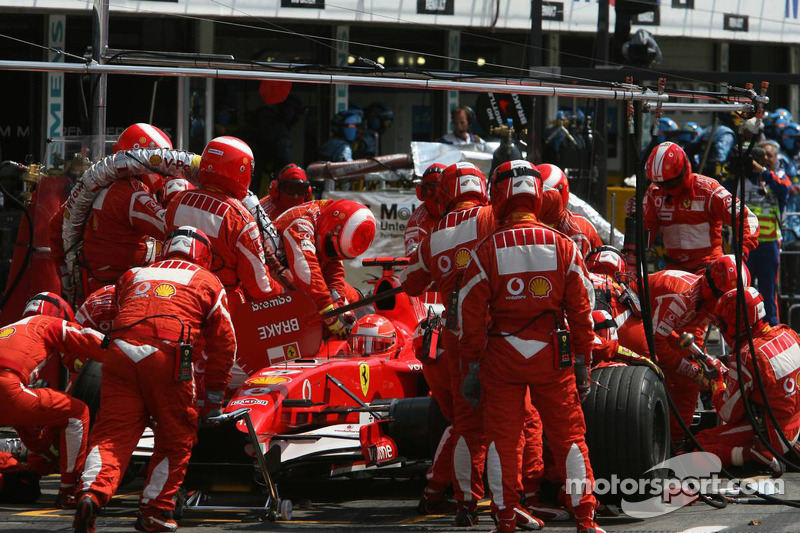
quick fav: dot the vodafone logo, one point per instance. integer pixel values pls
(515, 286)
(444, 263)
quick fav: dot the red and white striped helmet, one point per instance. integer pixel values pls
(50, 304)
(553, 178)
(605, 262)
(345, 229)
(172, 187)
(725, 311)
(460, 182)
(373, 335)
(668, 162)
(189, 243)
(516, 183)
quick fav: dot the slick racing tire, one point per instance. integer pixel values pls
(627, 427)
(87, 387)
(417, 426)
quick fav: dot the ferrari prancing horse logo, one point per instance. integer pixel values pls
(363, 377)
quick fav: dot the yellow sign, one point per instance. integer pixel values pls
(6, 332)
(155, 160)
(165, 290)
(462, 258)
(540, 287)
(267, 380)
(363, 377)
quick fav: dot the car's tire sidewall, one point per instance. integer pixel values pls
(627, 426)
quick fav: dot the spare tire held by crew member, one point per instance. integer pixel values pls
(627, 427)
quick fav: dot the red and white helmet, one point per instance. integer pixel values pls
(553, 178)
(668, 162)
(142, 135)
(49, 304)
(372, 335)
(290, 188)
(460, 182)
(172, 187)
(227, 163)
(725, 311)
(555, 193)
(720, 277)
(189, 243)
(345, 229)
(428, 188)
(606, 262)
(515, 184)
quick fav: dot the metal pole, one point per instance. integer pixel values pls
(681, 106)
(100, 81)
(182, 131)
(536, 125)
(600, 154)
(499, 86)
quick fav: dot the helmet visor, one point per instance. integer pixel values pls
(369, 344)
(428, 191)
(295, 189)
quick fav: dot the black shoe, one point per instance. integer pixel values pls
(85, 515)
(466, 516)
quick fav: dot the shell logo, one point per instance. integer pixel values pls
(245, 160)
(462, 258)
(165, 290)
(6, 332)
(155, 159)
(268, 380)
(540, 287)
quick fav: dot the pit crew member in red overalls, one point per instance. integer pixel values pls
(442, 257)
(520, 282)
(425, 218)
(126, 225)
(683, 302)
(291, 188)
(427, 215)
(554, 213)
(317, 236)
(688, 211)
(778, 356)
(47, 329)
(216, 209)
(163, 308)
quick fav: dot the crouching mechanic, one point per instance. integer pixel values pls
(163, 309)
(216, 209)
(778, 357)
(521, 281)
(682, 302)
(317, 236)
(46, 330)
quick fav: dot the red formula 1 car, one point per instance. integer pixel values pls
(314, 407)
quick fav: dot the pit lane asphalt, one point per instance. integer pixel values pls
(390, 505)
